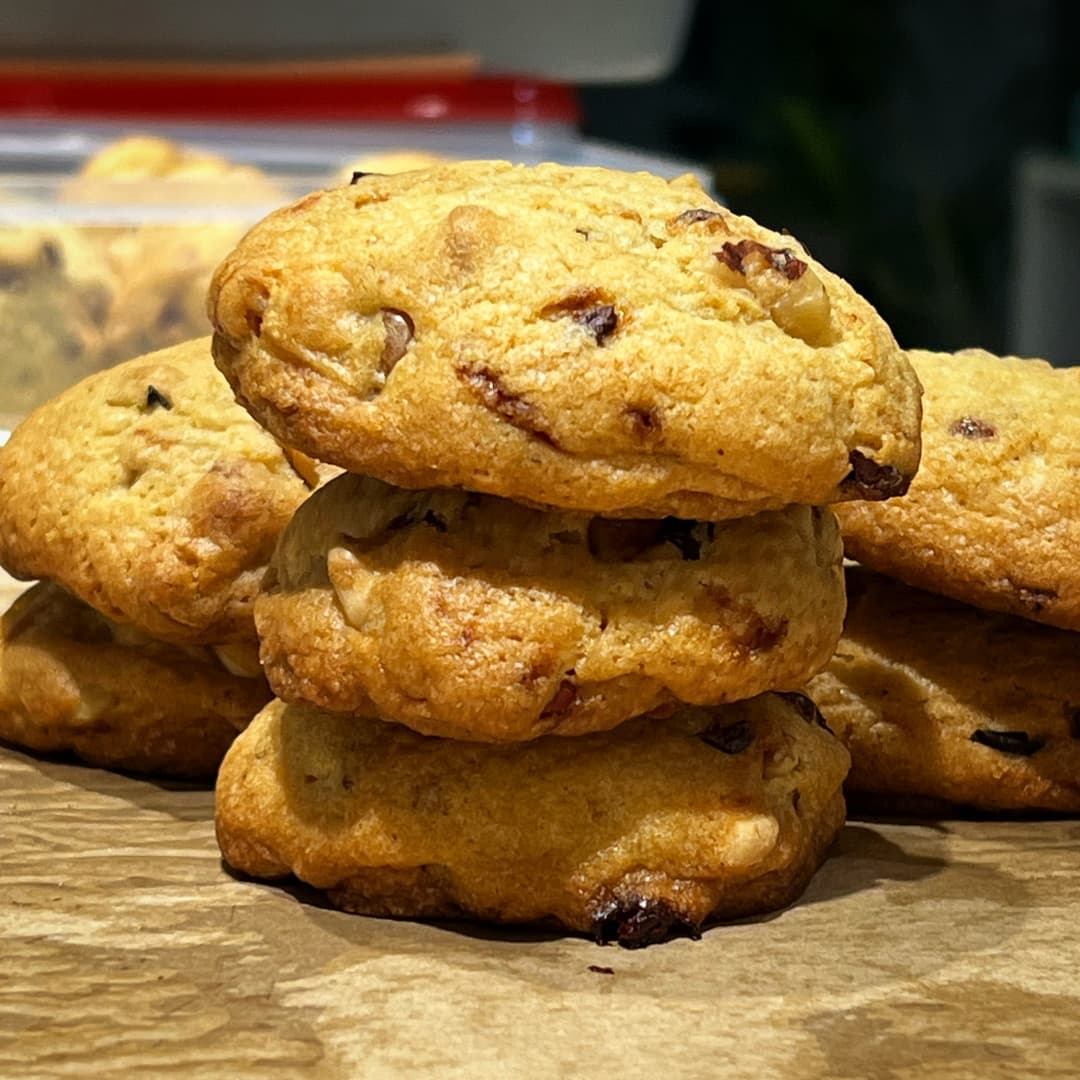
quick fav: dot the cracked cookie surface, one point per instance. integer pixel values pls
(632, 835)
(473, 617)
(571, 337)
(993, 517)
(150, 494)
(937, 700)
(70, 679)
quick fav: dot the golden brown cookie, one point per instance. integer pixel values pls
(571, 337)
(938, 700)
(70, 679)
(473, 617)
(150, 494)
(631, 835)
(993, 517)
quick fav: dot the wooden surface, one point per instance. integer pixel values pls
(937, 950)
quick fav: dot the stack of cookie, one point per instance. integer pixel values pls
(148, 503)
(958, 677)
(525, 648)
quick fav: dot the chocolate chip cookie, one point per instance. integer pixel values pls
(473, 617)
(633, 835)
(938, 700)
(70, 679)
(993, 517)
(572, 337)
(150, 494)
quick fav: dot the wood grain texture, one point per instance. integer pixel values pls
(939, 950)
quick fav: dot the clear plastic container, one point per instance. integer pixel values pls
(104, 262)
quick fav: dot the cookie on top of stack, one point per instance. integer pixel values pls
(958, 677)
(148, 504)
(552, 672)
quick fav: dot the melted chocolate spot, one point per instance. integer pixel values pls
(488, 386)
(644, 422)
(590, 308)
(565, 697)
(729, 738)
(971, 427)
(582, 232)
(155, 398)
(805, 707)
(637, 922)
(782, 259)
(400, 331)
(347, 783)
(601, 322)
(359, 174)
(597, 969)
(869, 480)
(1019, 743)
(436, 521)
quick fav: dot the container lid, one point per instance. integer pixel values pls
(228, 95)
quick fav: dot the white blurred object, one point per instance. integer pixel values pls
(581, 41)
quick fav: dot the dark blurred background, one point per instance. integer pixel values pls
(890, 138)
